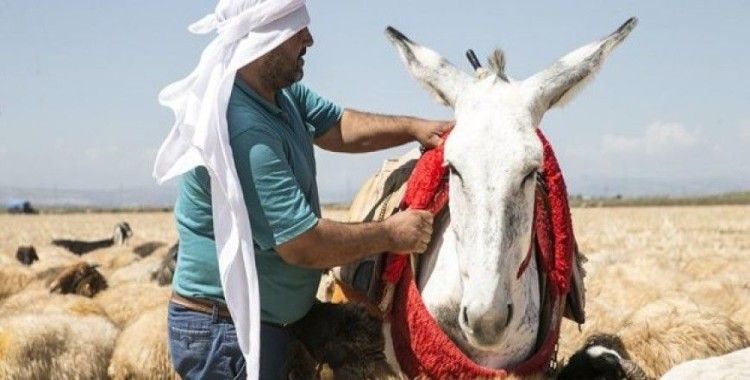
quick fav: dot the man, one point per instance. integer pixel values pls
(272, 123)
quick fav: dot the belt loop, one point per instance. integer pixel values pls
(214, 312)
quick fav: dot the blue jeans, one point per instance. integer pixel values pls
(204, 346)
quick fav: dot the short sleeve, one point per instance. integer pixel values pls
(319, 112)
(277, 207)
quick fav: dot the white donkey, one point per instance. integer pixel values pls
(468, 281)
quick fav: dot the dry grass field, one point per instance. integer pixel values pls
(636, 255)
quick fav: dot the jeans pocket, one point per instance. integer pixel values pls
(190, 339)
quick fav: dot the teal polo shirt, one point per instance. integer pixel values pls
(275, 162)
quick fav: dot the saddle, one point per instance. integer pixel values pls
(379, 198)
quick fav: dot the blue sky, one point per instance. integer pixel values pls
(79, 80)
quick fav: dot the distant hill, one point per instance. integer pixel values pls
(156, 196)
(735, 198)
(600, 193)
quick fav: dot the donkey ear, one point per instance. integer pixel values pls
(559, 83)
(438, 75)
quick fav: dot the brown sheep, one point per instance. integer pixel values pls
(81, 278)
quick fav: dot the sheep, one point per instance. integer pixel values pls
(672, 330)
(146, 249)
(121, 235)
(41, 301)
(80, 278)
(166, 269)
(26, 255)
(141, 351)
(734, 365)
(13, 278)
(602, 357)
(124, 303)
(112, 259)
(344, 337)
(665, 333)
(36, 346)
(141, 270)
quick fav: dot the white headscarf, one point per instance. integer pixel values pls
(246, 29)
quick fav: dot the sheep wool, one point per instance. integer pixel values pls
(42, 301)
(13, 278)
(68, 347)
(735, 365)
(671, 331)
(141, 351)
(126, 302)
(141, 270)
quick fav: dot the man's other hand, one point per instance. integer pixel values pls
(429, 132)
(410, 231)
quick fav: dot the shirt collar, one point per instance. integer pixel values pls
(268, 106)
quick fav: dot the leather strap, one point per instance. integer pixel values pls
(200, 305)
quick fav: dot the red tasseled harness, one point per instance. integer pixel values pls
(422, 348)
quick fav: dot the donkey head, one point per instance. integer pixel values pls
(494, 155)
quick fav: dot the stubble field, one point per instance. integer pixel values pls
(636, 255)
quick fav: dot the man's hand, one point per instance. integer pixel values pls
(428, 132)
(410, 231)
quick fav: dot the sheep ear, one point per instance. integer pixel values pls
(439, 76)
(561, 81)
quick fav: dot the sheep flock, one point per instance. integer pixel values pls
(671, 283)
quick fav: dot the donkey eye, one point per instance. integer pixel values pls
(531, 175)
(453, 171)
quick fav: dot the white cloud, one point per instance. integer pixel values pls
(659, 137)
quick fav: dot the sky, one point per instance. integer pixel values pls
(668, 112)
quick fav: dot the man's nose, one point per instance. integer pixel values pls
(307, 37)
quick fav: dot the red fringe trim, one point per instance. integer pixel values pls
(422, 348)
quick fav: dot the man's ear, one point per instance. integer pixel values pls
(443, 80)
(561, 81)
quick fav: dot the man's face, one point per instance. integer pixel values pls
(284, 64)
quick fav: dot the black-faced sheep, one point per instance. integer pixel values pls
(344, 337)
(79, 247)
(26, 255)
(670, 331)
(603, 357)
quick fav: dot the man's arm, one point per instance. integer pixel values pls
(359, 132)
(330, 243)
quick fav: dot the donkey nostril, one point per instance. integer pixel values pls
(510, 314)
(465, 316)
